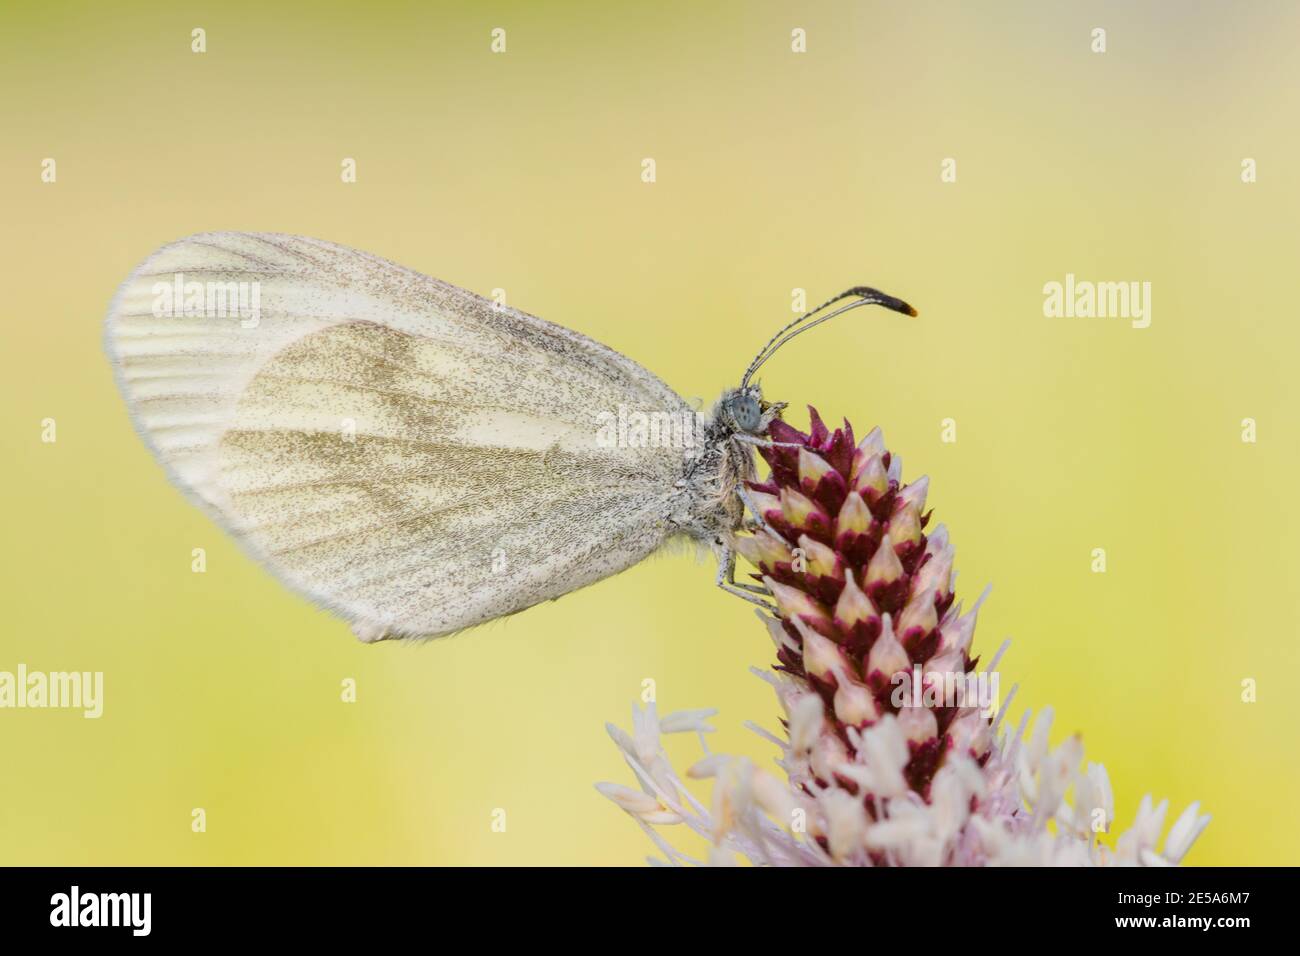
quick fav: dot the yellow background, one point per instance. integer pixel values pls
(775, 170)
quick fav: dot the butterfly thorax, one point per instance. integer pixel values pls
(706, 504)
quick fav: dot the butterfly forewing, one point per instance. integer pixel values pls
(402, 451)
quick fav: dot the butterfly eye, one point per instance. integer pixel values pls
(747, 413)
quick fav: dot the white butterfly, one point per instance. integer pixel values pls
(410, 455)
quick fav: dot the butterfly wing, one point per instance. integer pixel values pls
(405, 453)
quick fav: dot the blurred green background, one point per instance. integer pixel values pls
(775, 170)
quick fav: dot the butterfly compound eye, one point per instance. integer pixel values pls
(747, 413)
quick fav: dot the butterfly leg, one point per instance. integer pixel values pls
(758, 515)
(727, 581)
(764, 442)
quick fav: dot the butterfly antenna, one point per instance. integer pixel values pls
(864, 296)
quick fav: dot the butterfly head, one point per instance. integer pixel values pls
(746, 411)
